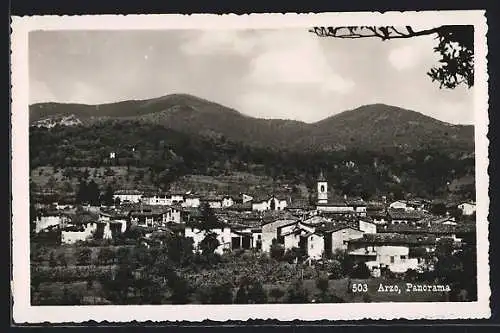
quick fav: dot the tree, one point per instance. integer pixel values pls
(256, 293)
(52, 259)
(361, 271)
(276, 293)
(277, 250)
(93, 193)
(180, 249)
(322, 285)
(208, 218)
(123, 255)
(84, 256)
(82, 193)
(209, 244)
(180, 288)
(241, 295)
(297, 294)
(455, 47)
(106, 256)
(107, 199)
(221, 294)
(61, 259)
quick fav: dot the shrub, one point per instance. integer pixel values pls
(296, 293)
(361, 271)
(84, 256)
(276, 293)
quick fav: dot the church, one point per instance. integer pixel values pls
(344, 206)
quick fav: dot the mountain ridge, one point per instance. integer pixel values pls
(373, 126)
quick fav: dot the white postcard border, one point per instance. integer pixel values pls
(23, 312)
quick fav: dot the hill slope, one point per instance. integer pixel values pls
(370, 127)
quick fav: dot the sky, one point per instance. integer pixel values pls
(288, 73)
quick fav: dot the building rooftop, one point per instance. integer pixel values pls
(394, 239)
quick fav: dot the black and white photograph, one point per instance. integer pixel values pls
(270, 166)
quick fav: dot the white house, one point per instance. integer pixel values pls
(270, 231)
(171, 215)
(246, 198)
(467, 208)
(227, 201)
(191, 201)
(378, 216)
(339, 237)
(367, 227)
(269, 203)
(158, 200)
(81, 232)
(177, 198)
(388, 250)
(131, 196)
(223, 236)
(398, 204)
(315, 245)
(47, 220)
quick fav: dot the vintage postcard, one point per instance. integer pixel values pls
(267, 166)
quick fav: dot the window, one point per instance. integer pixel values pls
(259, 237)
(403, 257)
(322, 188)
(392, 259)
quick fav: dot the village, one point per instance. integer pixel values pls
(396, 236)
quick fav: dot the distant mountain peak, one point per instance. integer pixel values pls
(373, 126)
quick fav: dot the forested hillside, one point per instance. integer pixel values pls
(163, 155)
(370, 127)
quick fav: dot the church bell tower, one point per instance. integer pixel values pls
(322, 189)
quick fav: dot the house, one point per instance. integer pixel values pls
(367, 227)
(162, 199)
(146, 217)
(241, 238)
(270, 231)
(467, 208)
(402, 216)
(242, 207)
(172, 215)
(227, 201)
(256, 238)
(432, 220)
(80, 229)
(213, 201)
(316, 220)
(398, 204)
(246, 198)
(299, 206)
(104, 216)
(337, 238)
(128, 196)
(378, 216)
(48, 219)
(409, 205)
(391, 250)
(272, 202)
(222, 232)
(177, 198)
(314, 244)
(191, 201)
(456, 232)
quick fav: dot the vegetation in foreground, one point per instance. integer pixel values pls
(166, 271)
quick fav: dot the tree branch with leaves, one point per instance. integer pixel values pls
(455, 45)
